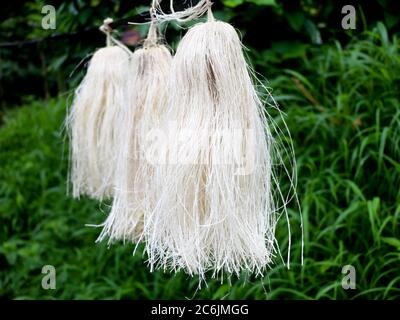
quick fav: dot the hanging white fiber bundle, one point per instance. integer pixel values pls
(215, 210)
(149, 69)
(94, 119)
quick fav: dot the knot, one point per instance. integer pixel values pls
(151, 39)
(105, 28)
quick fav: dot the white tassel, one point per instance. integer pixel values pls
(93, 120)
(215, 211)
(150, 66)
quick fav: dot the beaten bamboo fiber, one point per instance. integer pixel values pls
(93, 121)
(215, 210)
(149, 69)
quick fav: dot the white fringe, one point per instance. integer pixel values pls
(215, 209)
(92, 123)
(192, 155)
(150, 66)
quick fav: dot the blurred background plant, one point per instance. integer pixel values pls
(339, 90)
(278, 31)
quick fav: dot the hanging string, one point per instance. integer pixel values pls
(106, 29)
(110, 40)
(152, 35)
(210, 16)
(191, 13)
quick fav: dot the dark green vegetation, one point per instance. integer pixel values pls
(278, 29)
(343, 110)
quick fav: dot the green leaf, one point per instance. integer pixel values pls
(233, 3)
(391, 20)
(383, 33)
(296, 20)
(263, 2)
(289, 49)
(313, 31)
(56, 64)
(392, 241)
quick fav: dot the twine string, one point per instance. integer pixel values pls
(210, 15)
(151, 39)
(106, 29)
(110, 40)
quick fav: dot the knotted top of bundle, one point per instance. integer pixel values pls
(151, 39)
(188, 14)
(106, 29)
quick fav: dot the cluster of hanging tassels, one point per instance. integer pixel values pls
(184, 147)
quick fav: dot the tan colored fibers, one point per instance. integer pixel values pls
(150, 66)
(215, 210)
(93, 120)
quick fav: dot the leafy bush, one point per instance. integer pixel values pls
(279, 29)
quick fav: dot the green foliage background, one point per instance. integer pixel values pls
(341, 99)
